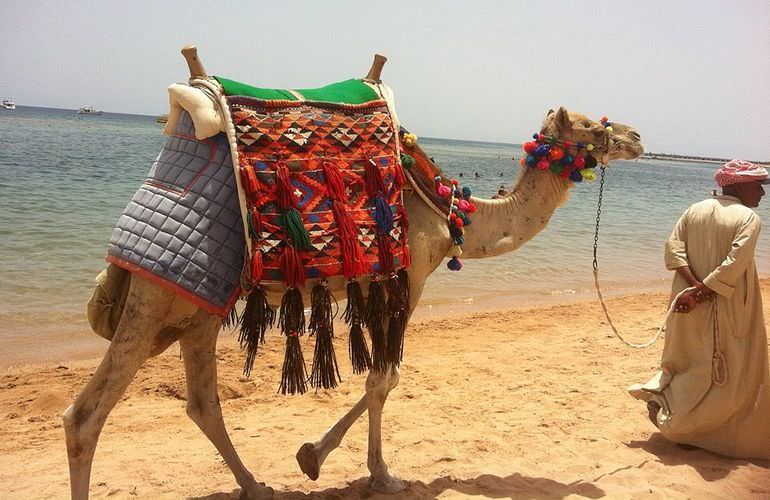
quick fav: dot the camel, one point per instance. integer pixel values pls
(154, 317)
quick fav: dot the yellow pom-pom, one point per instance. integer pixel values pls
(608, 129)
(588, 174)
(410, 140)
(590, 147)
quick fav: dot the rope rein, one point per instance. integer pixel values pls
(598, 289)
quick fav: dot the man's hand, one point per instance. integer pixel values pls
(686, 302)
(691, 298)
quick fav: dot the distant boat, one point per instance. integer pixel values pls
(89, 110)
(9, 104)
(162, 119)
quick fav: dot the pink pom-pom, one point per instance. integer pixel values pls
(543, 164)
(463, 205)
(471, 208)
(444, 191)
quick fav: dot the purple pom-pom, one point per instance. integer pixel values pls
(454, 264)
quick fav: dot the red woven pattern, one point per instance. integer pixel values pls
(319, 152)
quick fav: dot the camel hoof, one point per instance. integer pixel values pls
(388, 485)
(308, 461)
(258, 491)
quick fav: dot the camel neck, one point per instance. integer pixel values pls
(503, 225)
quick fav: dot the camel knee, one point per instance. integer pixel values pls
(199, 411)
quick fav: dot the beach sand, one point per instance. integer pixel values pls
(522, 403)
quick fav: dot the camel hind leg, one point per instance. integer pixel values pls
(134, 341)
(199, 351)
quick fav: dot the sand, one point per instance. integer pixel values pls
(522, 403)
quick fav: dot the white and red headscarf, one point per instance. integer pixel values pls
(735, 171)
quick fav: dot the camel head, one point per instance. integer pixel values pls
(612, 141)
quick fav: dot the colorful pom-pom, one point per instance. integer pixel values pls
(523, 162)
(604, 119)
(543, 164)
(579, 162)
(588, 174)
(589, 147)
(556, 154)
(437, 179)
(455, 182)
(609, 129)
(529, 147)
(530, 161)
(459, 222)
(567, 160)
(467, 192)
(410, 140)
(444, 191)
(535, 136)
(557, 168)
(454, 264)
(463, 205)
(542, 150)
(575, 176)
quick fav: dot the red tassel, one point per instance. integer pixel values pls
(249, 179)
(374, 185)
(256, 265)
(403, 219)
(284, 194)
(398, 176)
(406, 257)
(353, 262)
(256, 221)
(334, 183)
(292, 268)
(385, 252)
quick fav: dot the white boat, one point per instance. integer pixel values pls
(89, 110)
(9, 104)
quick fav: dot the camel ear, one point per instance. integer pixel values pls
(563, 124)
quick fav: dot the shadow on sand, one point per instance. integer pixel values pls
(710, 466)
(487, 485)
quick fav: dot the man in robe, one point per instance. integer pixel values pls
(713, 388)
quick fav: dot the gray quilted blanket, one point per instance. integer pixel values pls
(183, 227)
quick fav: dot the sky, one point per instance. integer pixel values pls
(692, 77)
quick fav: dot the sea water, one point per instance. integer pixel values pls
(65, 179)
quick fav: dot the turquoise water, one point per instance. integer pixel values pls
(66, 178)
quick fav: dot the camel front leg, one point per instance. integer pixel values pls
(378, 386)
(199, 350)
(311, 456)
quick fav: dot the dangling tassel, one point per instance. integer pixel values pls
(295, 229)
(256, 265)
(249, 179)
(354, 315)
(324, 373)
(231, 319)
(291, 267)
(255, 223)
(334, 182)
(291, 320)
(385, 253)
(373, 178)
(398, 176)
(257, 317)
(398, 297)
(353, 262)
(376, 307)
(284, 192)
(383, 215)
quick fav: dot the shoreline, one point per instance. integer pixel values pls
(77, 342)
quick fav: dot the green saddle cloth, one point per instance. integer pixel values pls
(346, 92)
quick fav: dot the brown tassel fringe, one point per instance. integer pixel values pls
(291, 321)
(398, 312)
(257, 317)
(354, 315)
(385, 253)
(324, 373)
(376, 307)
(291, 267)
(231, 319)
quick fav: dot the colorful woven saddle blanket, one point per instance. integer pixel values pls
(182, 228)
(322, 180)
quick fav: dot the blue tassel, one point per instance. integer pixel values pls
(383, 215)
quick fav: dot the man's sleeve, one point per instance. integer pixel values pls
(676, 248)
(724, 278)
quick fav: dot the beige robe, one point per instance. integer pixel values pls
(713, 386)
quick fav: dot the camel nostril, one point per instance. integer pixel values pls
(636, 135)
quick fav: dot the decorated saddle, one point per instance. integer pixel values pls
(316, 178)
